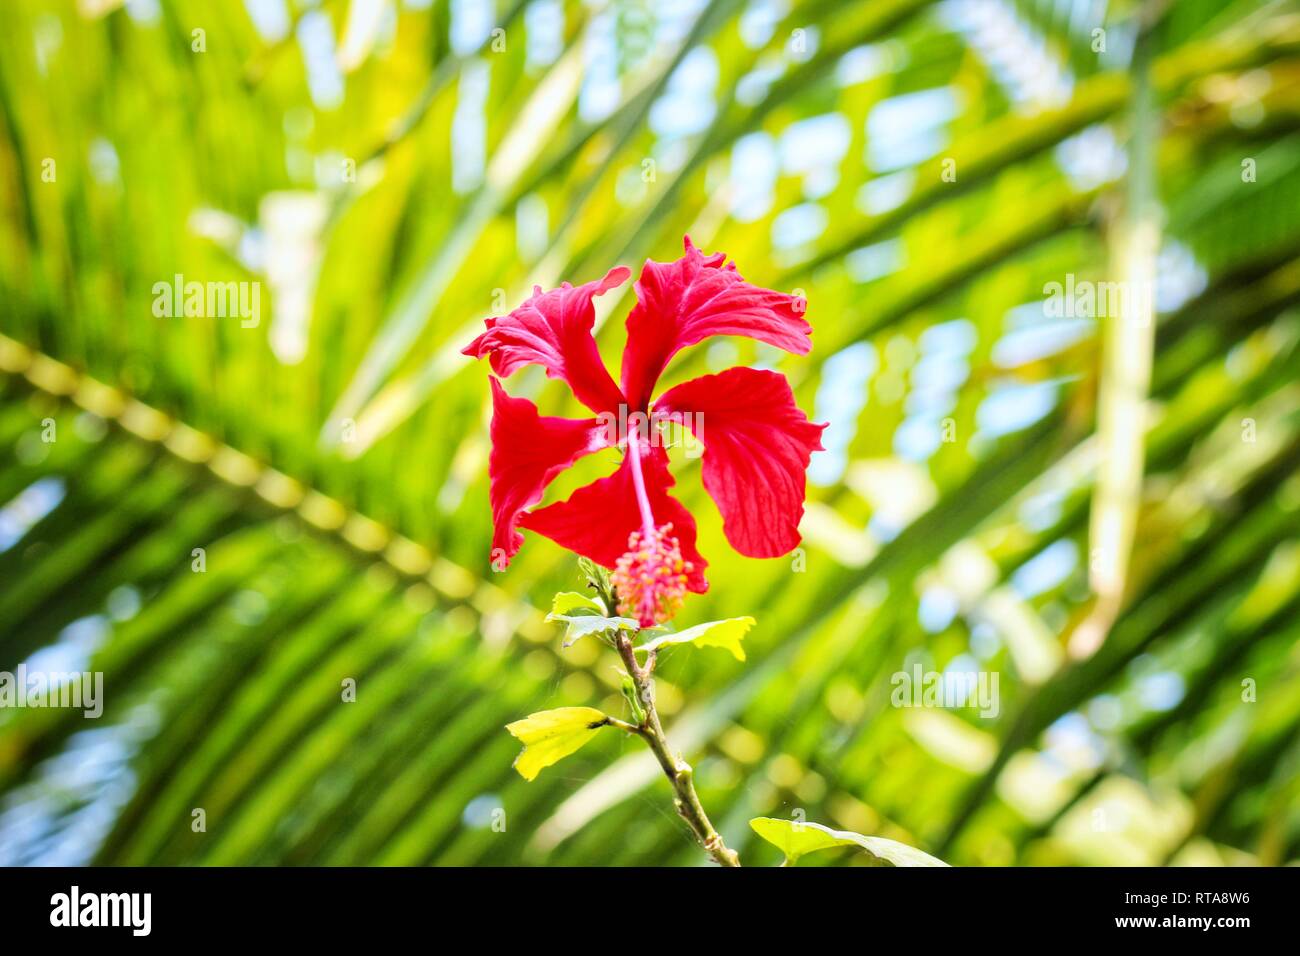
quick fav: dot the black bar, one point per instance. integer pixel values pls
(336, 905)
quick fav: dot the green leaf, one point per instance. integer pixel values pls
(795, 839)
(584, 616)
(726, 634)
(579, 626)
(598, 580)
(549, 736)
(569, 602)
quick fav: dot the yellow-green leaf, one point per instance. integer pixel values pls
(583, 616)
(578, 626)
(549, 736)
(568, 603)
(725, 634)
(796, 838)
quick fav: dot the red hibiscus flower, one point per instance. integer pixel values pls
(757, 443)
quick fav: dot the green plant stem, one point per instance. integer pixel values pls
(678, 771)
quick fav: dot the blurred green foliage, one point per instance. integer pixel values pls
(393, 172)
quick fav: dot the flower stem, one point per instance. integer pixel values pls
(638, 482)
(678, 771)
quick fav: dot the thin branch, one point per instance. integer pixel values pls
(679, 773)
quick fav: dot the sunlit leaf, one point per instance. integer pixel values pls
(549, 736)
(796, 839)
(571, 603)
(725, 634)
(583, 616)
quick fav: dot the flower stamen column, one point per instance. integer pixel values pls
(651, 577)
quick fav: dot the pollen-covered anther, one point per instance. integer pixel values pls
(651, 577)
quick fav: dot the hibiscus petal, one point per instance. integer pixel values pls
(684, 302)
(757, 444)
(553, 330)
(598, 518)
(528, 450)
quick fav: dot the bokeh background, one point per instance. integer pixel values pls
(1101, 510)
